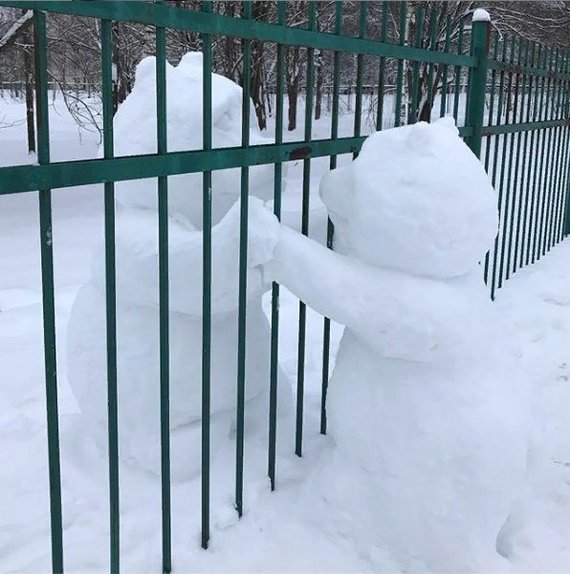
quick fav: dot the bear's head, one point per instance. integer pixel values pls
(416, 199)
(135, 132)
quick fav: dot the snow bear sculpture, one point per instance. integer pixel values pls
(429, 425)
(137, 282)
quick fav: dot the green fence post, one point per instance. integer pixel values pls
(480, 34)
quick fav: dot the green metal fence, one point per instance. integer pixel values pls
(526, 152)
(517, 117)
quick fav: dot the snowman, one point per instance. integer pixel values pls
(424, 406)
(137, 284)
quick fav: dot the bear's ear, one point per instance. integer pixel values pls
(191, 60)
(419, 137)
(146, 71)
(447, 123)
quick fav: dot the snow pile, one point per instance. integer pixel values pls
(424, 405)
(137, 285)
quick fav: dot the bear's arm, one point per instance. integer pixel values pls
(400, 315)
(137, 260)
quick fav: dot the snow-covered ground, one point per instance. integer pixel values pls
(278, 531)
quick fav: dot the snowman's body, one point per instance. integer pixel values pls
(424, 404)
(137, 284)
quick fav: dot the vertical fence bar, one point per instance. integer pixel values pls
(382, 63)
(495, 166)
(545, 155)
(458, 71)
(468, 90)
(476, 105)
(566, 219)
(48, 294)
(445, 73)
(110, 293)
(519, 169)
(206, 278)
(558, 178)
(533, 171)
(550, 156)
(534, 145)
(504, 211)
(565, 184)
(413, 109)
(559, 157)
(242, 296)
(278, 179)
(541, 175)
(511, 181)
(431, 67)
(162, 148)
(555, 143)
(488, 143)
(548, 161)
(565, 153)
(564, 223)
(400, 68)
(363, 5)
(330, 227)
(305, 231)
(526, 172)
(559, 160)
(495, 42)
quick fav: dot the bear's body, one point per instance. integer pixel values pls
(137, 284)
(423, 403)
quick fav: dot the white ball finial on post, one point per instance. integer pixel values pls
(481, 15)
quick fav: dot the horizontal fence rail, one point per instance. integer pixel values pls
(217, 24)
(509, 96)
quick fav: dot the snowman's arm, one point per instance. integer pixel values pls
(401, 315)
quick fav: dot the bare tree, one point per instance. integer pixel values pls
(75, 51)
(429, 25)
(20, 30)
(261, 11)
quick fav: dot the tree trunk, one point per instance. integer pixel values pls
(424, 114)
(292, 96)
(425, 111)
(267, 97)
(318, 84)
(121, 86)
(29, 85)
(292, 84)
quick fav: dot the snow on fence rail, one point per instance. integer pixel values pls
(516, 116)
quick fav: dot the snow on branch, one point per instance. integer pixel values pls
(17, 27)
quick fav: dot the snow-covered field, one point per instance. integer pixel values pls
(279, 531)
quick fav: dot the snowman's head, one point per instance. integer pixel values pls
(416, 199)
